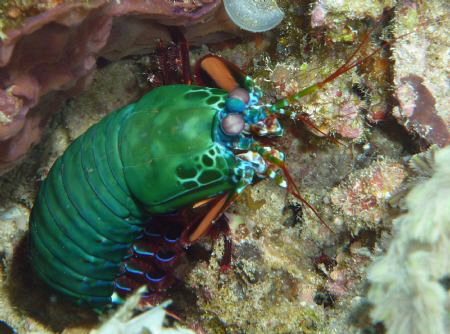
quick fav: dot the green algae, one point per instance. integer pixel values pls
(14, 12)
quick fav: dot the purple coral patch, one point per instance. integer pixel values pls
(56, 51)
(419, 106)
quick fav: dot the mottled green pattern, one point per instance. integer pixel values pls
(154, 156)
(168, 143)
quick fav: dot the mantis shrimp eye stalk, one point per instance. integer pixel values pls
(217, 70)
(240, 94)
(233, 124)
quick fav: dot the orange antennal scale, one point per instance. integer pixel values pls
(206, 222)
(202, 202)
(174, 316)
(219, 72)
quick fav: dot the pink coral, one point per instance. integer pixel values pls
(365, 193)
(57, 50)
(418, 107)
(318, 15)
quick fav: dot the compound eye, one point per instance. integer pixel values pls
(233, 124)
(240, 94)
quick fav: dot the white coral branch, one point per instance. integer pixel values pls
(148, 322)
(405, 283)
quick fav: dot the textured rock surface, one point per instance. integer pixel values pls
(414, 298)
(421, 72)
(289, 273)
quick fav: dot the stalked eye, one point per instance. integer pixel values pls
(234, 105)
(240, 94)
(233, 124)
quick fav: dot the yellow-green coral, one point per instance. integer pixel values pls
(14, 12)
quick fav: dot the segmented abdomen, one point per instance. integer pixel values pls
(85, 219)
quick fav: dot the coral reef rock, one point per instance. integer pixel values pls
(421, 72)
(57, 50)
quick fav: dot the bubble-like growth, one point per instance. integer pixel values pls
(254, 15)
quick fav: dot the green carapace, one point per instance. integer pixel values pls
(121, 204)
